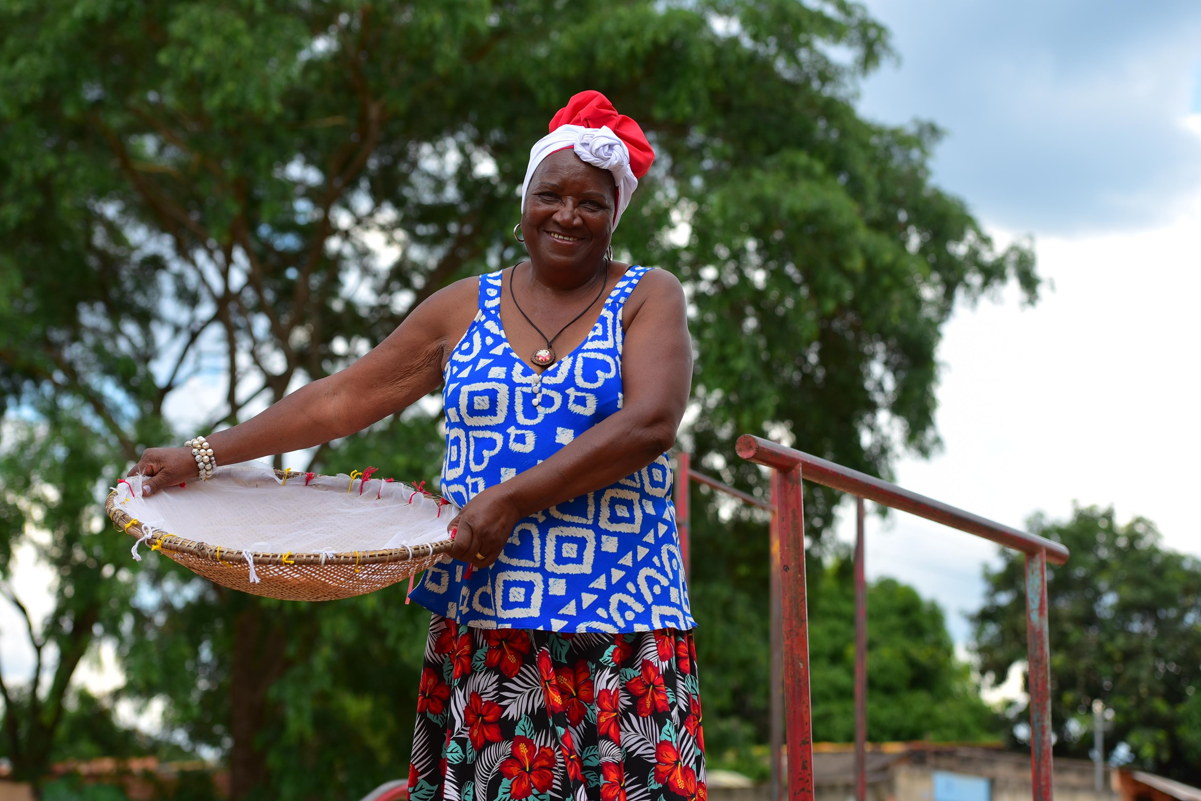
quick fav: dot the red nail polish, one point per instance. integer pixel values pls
(453, 532)
(469, 571)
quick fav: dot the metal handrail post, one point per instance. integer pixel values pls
(860, 657)
(794, 603)
(776, 694)
(683, 522)
(1038, 674)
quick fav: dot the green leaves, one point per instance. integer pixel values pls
(1125, 624)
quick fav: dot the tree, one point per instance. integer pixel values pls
(1125, 623)
(917, 688)
(239, 197)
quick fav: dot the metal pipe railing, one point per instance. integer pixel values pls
(860, 655)
(837, 477)
(789, 467)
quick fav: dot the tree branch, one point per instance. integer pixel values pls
(10, 723)
(197, 330)
(37, 643)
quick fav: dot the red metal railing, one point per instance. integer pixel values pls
(789, 626)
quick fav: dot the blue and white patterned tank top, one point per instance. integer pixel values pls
(606, 561)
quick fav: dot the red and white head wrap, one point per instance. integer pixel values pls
(601, 137)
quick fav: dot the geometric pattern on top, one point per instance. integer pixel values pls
(607, 561)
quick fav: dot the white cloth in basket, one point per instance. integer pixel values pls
(246, 507)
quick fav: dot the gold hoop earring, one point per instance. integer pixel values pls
(517, 228)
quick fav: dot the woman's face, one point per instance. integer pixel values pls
(568, 218)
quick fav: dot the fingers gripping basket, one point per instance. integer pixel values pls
(292, 536)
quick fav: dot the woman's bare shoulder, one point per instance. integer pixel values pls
(658, 287)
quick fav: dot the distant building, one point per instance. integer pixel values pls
(938, 772)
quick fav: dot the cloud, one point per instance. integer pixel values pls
(1063, 118)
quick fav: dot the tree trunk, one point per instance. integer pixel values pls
(258, 660)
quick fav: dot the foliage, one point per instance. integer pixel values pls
(208, 204)
(1125, 622)
(49, 511)
(917, 688)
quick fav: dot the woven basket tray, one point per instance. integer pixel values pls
(287, 576)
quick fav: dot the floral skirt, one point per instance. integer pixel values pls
(510, 714)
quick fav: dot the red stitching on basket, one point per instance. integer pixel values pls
(307, 478)
(367, 477)
(381, 487)
(441, 502)
(418, 487)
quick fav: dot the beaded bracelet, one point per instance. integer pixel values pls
(202, 452)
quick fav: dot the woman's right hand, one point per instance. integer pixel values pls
(165, 467)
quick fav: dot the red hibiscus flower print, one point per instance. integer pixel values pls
(414, 776)
(505, 649)
(432, 694)
(613, 782)
(575, 768)
(649, 689)
(461, 655)
(621, 651)
(665, 643)
(683, 657)
(693, 722)
(531, 768)
(576, 686)
(550, 682)
(482, 719)
(702, 792)
(672, 772)
(607, 708)
(446, 639)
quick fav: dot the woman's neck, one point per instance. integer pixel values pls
(560, 281)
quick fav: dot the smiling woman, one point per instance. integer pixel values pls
(560, 661)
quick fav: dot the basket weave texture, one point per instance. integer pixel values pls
(287, 576)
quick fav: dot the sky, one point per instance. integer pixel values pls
(1078, 124)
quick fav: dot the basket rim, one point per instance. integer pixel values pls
(166, 541)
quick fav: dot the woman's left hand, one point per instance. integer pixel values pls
(481, 530)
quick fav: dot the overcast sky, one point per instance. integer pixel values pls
(1078, 123)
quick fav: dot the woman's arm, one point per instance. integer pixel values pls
(656, 371)
(400, 370)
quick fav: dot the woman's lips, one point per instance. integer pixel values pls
(564, 238)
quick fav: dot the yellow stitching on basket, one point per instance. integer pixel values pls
(158, 545)
(130, 523)
(353, 475)
(287, 470)
(286, 560)
(219, 555)
(356, 561)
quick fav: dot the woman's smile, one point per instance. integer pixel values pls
(564, 237)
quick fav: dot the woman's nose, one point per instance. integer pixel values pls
(568, 214)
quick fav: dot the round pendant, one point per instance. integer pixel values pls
(543, 356)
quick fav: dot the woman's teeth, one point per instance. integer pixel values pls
(563, 238)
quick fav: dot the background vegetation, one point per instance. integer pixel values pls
(204, 205)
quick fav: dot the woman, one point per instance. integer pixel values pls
(560, 661)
